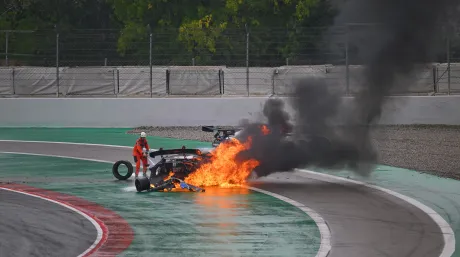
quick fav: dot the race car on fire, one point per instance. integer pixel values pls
(190, 169)
(168, 173)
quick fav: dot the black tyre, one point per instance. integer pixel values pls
(116, 172)
(142, 184)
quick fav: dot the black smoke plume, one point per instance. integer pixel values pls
(394, 38)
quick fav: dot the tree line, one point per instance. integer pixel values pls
(207, 32)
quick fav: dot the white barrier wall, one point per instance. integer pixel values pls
(128, 112)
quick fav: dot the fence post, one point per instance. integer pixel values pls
(221, 84)
(12, 81)
(118, 82)
(347, 66)
(150, 66)
(115, 82)
(448, 64)
(247, 58)
(167, 82)
(6, 47)
(57, 61)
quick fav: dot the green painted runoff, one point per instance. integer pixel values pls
(220, 221)
(440, 194)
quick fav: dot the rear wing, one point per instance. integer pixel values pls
(182, 150)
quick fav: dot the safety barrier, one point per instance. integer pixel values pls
(206, 80)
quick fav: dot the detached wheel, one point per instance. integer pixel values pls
(116, 171)
(142, 184)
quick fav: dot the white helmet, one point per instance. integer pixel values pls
(143, 134)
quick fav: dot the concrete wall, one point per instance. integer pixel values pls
(128, 112)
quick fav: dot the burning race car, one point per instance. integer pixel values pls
(168, 173)
(186, 168)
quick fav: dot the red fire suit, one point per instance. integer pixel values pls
(139, 156)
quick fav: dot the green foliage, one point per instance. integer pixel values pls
(210, 31)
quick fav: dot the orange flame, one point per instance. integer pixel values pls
(169, 176)
(264, 130)
(223, 170)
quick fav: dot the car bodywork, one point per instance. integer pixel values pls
(169, 172)
(221, 133)
(174, 165)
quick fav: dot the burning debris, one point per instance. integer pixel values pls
(222, 169)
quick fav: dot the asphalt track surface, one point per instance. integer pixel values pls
(30, 226)
(363, 221)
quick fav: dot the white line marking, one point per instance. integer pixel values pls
(60, 156)
(324, 230)
(65, 143)
(94, 222)
(448, 233)
(325, 245)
